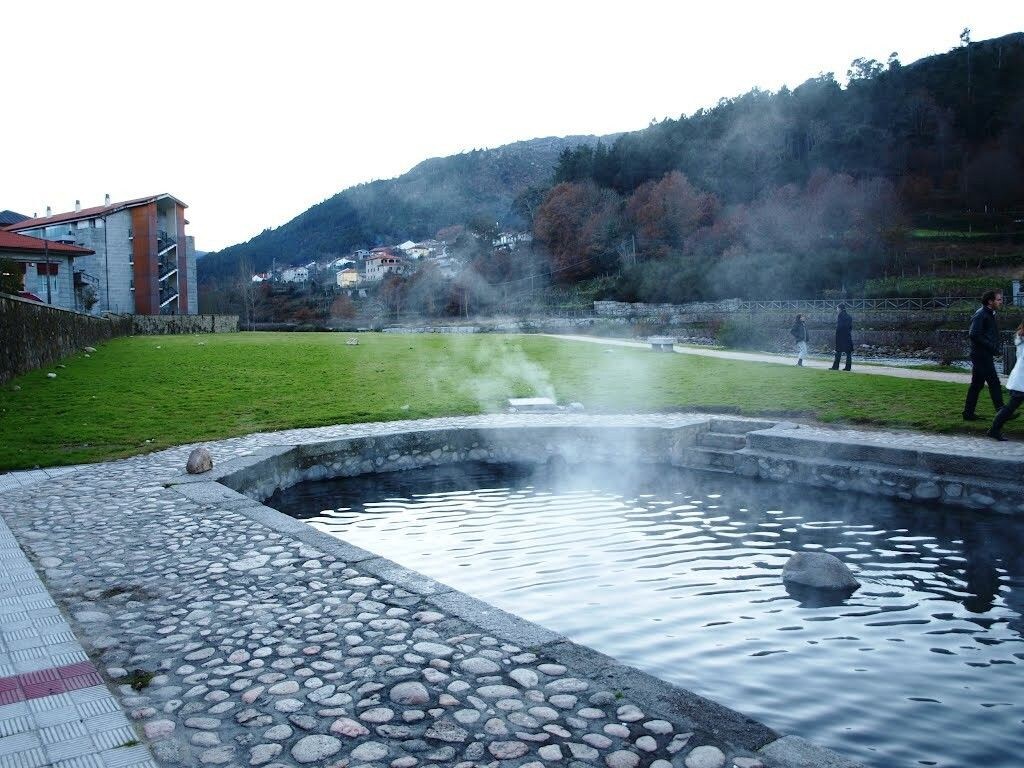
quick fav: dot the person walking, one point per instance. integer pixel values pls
(799, 332)
(984, 334)
(1016, 386)
(844, 338)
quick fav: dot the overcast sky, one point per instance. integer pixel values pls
(251, 112)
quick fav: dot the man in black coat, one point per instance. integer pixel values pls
(985, 346)
(844, 338)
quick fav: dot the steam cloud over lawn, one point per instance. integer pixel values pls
(505, 372)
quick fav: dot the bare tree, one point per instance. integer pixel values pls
(247, 290)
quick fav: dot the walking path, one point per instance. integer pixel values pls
(765, 357)
(251, 646)
(54, 706)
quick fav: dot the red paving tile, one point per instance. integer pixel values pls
(46, 682)
(75, 670)
(45, 688)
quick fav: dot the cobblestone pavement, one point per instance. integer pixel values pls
(54, 707)
(230, 643)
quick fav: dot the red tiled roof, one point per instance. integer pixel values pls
(11, 241)
(88, 213)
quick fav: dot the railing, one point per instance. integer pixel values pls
(164, 240)
(930, 302)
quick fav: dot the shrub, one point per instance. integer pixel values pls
(733, 333)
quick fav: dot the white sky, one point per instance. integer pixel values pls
(251, 112)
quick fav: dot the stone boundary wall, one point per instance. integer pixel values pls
(33, 335)
(769, 329)
(155, 325)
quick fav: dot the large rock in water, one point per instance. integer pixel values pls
(199, 461)
(820, 570)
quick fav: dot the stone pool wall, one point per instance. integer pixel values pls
(777, 452)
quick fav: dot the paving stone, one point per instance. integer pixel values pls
(705, 757)
(311, 749)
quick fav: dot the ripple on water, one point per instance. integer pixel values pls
(680, 574)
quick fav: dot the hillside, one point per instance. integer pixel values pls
(436, 193)
(912, 170)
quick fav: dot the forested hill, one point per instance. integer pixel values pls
(954, 123)
(806, 191)
(482, 184)
(767, 194)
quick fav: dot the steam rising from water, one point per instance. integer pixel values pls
(505, 371)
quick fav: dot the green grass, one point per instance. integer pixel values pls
(962, 286)
(145, 393)
(947, 234)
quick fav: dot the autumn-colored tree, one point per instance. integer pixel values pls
(343, 307)
(392, 293)
(579, 225)
(450, 234)
(666, 212)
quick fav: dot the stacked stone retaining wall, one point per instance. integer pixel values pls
(154, 325)
(33, 335)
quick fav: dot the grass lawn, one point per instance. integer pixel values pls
(149, 392)
(947, 234)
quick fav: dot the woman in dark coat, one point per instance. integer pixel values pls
(844, 338)
(799, 331)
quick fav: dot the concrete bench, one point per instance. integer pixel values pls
(661, 343)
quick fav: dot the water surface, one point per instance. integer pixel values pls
(680, 574)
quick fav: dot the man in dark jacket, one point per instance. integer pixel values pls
(985, 345)
(844, 338)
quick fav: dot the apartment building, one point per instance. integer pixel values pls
(142, 262)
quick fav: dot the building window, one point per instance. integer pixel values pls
(83, 224)
(41, 268)
(97, 223)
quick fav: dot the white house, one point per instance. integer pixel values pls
(381, 262)
(511, 239)
(295, 275)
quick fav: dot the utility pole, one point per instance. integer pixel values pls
(46, 253)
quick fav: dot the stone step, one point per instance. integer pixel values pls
(811, 444)
(730, 442)
(738, 426)
(707, 458)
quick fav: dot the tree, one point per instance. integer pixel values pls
(247, 290)
(343, 307)
(865, 69)
(392, 294)
(10, 277)
(580, 225)
(664, 213)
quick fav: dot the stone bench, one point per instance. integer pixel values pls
(661, 343)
